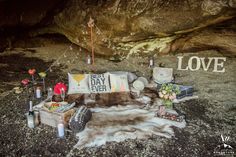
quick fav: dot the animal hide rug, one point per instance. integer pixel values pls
(118, 123)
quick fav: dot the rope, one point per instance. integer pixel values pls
(92, 45)
(91, 25)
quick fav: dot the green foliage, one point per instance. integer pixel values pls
(170, 88)
(168, 93)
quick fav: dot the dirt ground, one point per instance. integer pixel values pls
(208, 117)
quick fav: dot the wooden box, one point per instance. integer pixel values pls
(52, 118)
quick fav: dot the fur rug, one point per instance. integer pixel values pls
(118, 123)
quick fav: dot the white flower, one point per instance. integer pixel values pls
(160, 95)
(166, 96)
(171, 97)
(164, 92)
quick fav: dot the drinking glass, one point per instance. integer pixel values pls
(50, 94)
(63, 94)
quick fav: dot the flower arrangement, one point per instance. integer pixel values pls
(25, 82)
(168, 93)
(42, 75)
(32, 72)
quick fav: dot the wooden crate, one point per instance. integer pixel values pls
(52, 118)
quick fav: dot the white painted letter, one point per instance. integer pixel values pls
(198, 63)
(206, 67)
(180, 63)
(219, 64)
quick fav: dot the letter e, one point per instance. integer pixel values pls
(219, 64)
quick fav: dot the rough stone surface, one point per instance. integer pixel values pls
(121, 27)
(25, 13)
(119, 22)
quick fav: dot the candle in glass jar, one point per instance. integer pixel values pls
(151, 62)
(38, 93)
(36, 118)
(88, 59)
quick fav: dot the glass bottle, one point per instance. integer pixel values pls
(30, 116)
(63, 94)
(50, 94)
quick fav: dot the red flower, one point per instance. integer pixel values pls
(58, 87)
(25, 81)
(31, 71)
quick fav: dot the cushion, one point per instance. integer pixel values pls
(78, 83)
(131, 76)
(119, 82)
(162, 75)
(99, 83)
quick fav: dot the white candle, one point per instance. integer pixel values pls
(61, 132)
(38, 93)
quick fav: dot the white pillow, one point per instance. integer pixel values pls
(162, 75)
(131, 76)
(78, 83)
(119, 82)
(99, 83)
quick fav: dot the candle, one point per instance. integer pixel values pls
(38, 93)
(151, 62)
(88, 59)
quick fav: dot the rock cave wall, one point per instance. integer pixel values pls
(125, 27)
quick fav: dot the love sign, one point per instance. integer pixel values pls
(218, 63)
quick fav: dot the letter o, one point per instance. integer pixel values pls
(190, 63)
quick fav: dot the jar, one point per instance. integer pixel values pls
(88, 60)
(38, 92)
(36, 118)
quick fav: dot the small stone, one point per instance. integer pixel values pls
(18, 90)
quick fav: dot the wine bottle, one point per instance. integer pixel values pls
(30, 116)
(31, 112)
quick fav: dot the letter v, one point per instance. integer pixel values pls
(205, 68)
